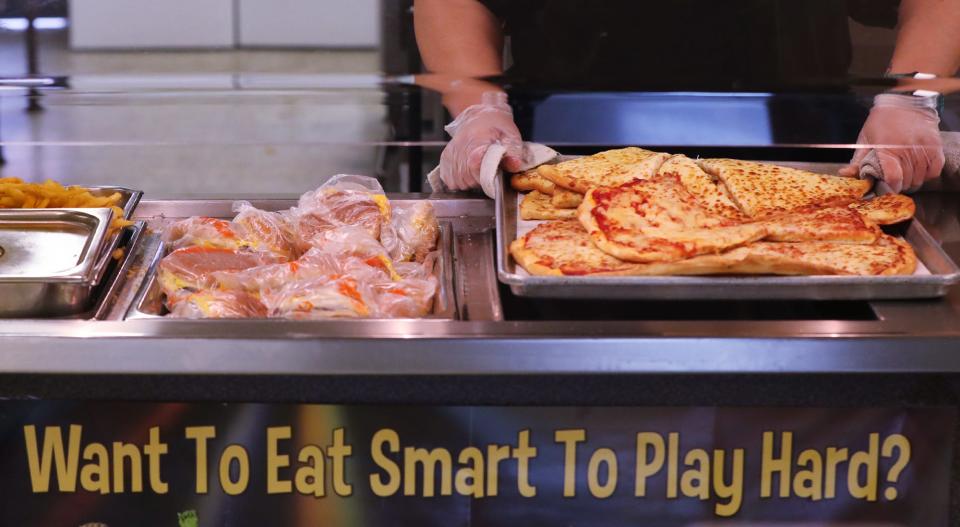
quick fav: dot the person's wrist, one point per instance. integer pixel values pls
(456, 104)
(463, 95)
(915, 94)
(494, 103)
(907, 100)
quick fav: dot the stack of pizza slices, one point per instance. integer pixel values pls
(636, 212)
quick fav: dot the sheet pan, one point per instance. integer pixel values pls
(936, 273)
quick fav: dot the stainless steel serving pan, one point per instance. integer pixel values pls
(148, 304)
(48, 259)
(943, 273)
(129, 199)
(112, 283)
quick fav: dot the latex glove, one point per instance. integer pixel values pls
(472, 132)
(901, 120)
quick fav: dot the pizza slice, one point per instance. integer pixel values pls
(887, 209)
(563, 248)
(709, 193)
(605, 169)
(658, 220)
(531, 180)
(887, 256)
(761, 190)
(538, 206)
(837, 224)
(810, 223)
(566, 199)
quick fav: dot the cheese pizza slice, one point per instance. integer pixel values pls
(886, 256)
(761, 190)
(807, 224)
(658, 220)
(605, 169)
(538, 206)
(566, 199)
(837, 224)
(887, 209)
(709, 193)
(531, 180)
(563, 248)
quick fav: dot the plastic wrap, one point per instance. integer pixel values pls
(215, 304)
(192, 268)
(419, 270)
(412, 231)
(330, 296)
(265, 231)
(407, 299)
(252, 230)
(349, 248)
(411, 296)
(348, 182)
(203, 232)
(349, 274)
(345, 251)
(267, 278)
(339, 253)
(355, 201)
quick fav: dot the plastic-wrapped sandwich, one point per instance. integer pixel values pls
(343, 252)
(412, 231)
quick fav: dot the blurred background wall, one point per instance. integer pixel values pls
(170, 24)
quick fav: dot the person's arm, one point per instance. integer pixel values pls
(928, 38)
(460, 41)
(928, 41)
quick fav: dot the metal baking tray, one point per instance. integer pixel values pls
(943, 273)
(48, 259)
(148, 304)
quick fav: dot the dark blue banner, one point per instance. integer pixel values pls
(71, 463)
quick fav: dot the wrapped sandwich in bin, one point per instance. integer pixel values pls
(343, 252)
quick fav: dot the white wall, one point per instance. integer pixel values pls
(309, 23)
(151, 23)
(134, 24)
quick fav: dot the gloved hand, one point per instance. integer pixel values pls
(472, 132)
(910, 123)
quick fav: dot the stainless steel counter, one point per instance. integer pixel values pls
(888, 337)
